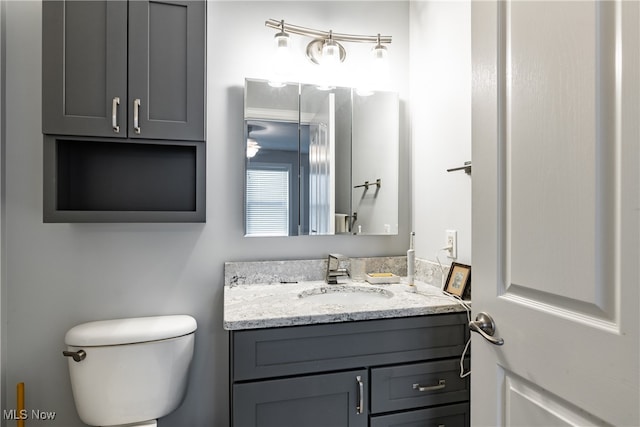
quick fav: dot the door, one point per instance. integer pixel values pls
(556, 155)
(166, 69)
(338, 399)
(84, 68)
(322, 165)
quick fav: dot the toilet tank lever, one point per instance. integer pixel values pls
(78, 356)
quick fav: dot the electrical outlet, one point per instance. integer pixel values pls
(452, 244)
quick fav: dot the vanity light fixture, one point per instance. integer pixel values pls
(252, 148)
(325, 44)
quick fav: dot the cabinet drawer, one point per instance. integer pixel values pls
(417, 385)
(456, 415)
(295, 350)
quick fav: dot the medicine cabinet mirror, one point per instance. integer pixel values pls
(320, 162)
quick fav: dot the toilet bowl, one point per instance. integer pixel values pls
(130, 372)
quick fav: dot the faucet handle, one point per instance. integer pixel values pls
(333, 273)
(339, 258)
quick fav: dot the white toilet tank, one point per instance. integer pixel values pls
(129, 370)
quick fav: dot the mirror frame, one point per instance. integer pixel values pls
(366, 183)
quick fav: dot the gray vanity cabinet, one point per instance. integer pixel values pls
(378, 373)
(124, 69)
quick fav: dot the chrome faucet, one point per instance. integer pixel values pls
(335, 270)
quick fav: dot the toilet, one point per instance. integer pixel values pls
(130, 372)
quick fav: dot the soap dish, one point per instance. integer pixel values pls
(380, 278)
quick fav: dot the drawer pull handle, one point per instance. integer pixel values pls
(136, 116)
(114, 114)
(360, 407)
(440, 386)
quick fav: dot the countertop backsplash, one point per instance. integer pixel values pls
(431, 272)
(265, 272)
(276, 272)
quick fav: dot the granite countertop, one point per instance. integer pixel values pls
(253, 306)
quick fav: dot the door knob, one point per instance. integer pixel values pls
(485, 326)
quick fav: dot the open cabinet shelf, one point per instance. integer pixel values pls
(110, 180)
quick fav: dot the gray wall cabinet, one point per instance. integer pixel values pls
(123, 111)
(123, 180)
(391, 372)
(124, 69)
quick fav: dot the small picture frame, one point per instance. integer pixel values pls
(459, 280)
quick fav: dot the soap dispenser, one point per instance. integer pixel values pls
(411, 263)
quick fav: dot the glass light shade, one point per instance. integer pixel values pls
(379, 71)
(330, 53)
(280, 61)
(281, 41)
(379, 53)
(252, 148)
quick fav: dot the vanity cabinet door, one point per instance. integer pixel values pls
(84, 68)
(124, 69)
(337, 399)
(167, 69)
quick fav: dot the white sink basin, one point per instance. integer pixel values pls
(344, 295)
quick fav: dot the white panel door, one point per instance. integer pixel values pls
(556, 212)
(322, 168)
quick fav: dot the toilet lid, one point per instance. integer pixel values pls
(130, 331)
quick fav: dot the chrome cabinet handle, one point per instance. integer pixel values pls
(441, 384)
(77, 356)
(360, 407)
(485, 326)
(114, 114)
(136, 116)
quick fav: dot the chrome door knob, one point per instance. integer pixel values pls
(485, 326)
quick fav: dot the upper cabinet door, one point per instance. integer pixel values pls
(84, 57)
(167, 69)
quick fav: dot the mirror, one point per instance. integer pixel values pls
(320, 162)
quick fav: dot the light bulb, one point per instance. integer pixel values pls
(281, 40)
(379, 53)
(281, 60)
(330, 53)
(379, 73)
(252, 148)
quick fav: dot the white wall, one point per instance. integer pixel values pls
(59, 275)
(441, 125)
